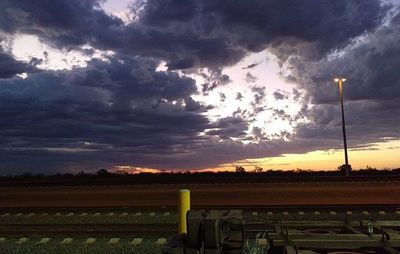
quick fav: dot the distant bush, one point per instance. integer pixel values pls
(103, 176)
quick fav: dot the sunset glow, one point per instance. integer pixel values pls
(153, 86)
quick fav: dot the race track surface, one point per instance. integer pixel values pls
(244, 194)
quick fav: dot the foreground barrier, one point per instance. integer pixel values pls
(201, 232)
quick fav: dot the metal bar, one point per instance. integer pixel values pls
(329, 244)
(317, 237)
(391, 250)
(354, 230)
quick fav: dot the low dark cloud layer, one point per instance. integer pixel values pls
(121, 105)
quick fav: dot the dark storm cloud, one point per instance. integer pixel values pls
(10, 67)
(161, 12)
(371, 92)
(105, 108)
(197, 33)
(366, 122)
(252, 25)
(216, 33)
(133, 78)
(229, 127)
(192, 105)
(124, 112)
(63, 23)
(213, 80)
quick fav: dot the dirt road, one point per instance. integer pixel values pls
(318, 193)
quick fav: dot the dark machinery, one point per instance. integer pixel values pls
(213, 232)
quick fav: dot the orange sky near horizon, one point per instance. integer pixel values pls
(380, 155)
(383, 155)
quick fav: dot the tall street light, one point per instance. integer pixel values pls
(345, 167)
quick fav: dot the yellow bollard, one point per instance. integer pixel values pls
(184, 207)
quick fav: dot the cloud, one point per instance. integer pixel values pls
(250, 78)
(250, 66)
(203, 33)
(281, 114)
(66, 24)
(239, 96)
(371, 91)
(259, 95)
(133, 78)
(122, 111)
(219, 33)
(9, 66)
(213, 80)
(279, 95)
(222, 97)
(192, 105)
(104, 108)
(296, 94)
(258, 133)
(229, 127)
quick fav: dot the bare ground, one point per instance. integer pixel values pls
(317, 193)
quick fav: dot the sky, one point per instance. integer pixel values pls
(153, 85)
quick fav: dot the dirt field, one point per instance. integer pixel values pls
(324, 193)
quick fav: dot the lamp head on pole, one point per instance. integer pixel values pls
(340, 80)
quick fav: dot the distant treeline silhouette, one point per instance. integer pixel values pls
(240, 175)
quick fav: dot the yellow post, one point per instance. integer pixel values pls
(184, 207)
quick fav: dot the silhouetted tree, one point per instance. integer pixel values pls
(102, 172)
(258, 169)
(240, 169)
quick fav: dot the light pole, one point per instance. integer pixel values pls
(345, 167)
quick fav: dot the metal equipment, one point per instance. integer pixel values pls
(213, 232)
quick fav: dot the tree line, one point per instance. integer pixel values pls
(238, 175)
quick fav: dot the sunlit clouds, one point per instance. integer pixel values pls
(29, 48)
(150, 86)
